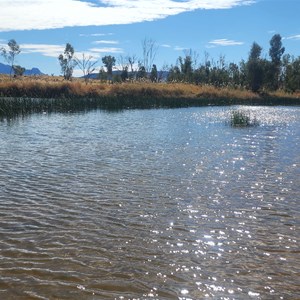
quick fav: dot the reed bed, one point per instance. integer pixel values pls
(241, 118)
(38, 94)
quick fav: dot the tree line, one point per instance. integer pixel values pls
(258, 74)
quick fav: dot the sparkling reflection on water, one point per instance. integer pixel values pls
(150, 204)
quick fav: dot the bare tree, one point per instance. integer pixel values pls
(122, 63)
(132, 60)
(87, 65)
(150, 49)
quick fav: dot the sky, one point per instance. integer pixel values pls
(97, 28)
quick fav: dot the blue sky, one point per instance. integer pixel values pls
(118, 27)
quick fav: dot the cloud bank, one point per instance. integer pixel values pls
(50, 14)
(224, 43)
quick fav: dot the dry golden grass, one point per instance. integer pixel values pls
(56, 86)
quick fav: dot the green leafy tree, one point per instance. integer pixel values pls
(292, 75)
(11, 53)
(234, 74)
(186, 67)
(254, 68)
(124, 73)
(141, 74)
(276, 51)
(102, 74)
(18, 70)
(174, 74)
(154, 74)
(109, 62)
(67, 62)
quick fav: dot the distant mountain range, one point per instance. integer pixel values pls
(5, 69)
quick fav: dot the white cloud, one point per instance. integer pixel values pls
(96, 34)
(294, 37)
(41, 14)
(178, 48)
(223, 42)
(56, 50)
(165, 46)
(106, 50)
(44, 49)
(106, 42)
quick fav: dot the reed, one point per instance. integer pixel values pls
(37, 94)
(241, 118)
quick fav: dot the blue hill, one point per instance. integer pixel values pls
(5, 69)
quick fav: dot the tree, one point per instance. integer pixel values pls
(276, 49)
(132, 59)
(11, 53)
(124, 74)
(275, 52)
(154, 74)
(186, 67)
(141, 74)
(254, 68)
(292, 75)
(18, 70)
(87, 65)
(123, 64)
(67, 62)
(150, 49)
(174, 74)
(102, 75)
(109, 62)
(234, 74)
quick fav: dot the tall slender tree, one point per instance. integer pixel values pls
(11, 53)
(67, 62)
(254, 68)
(276, 51)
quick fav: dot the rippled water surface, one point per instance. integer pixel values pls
(150, 204)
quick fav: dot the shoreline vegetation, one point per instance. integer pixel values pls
(27, 95)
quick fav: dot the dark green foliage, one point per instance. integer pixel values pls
(124, 74)
(154, 74)
(186, 68)
(174, 74)
(241, 118)
(102, 75)
(18, 70)
(141, 74)
(254, 68)
(292, 75)
(276, 51)
(109, 62)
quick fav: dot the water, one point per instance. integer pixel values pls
(150, 204)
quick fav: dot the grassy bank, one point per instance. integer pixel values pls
(27, 95)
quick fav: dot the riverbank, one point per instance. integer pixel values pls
(27, 95)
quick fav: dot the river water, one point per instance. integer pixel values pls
(150, 204)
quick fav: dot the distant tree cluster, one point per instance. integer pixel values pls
(258, 74)
(280, 71)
